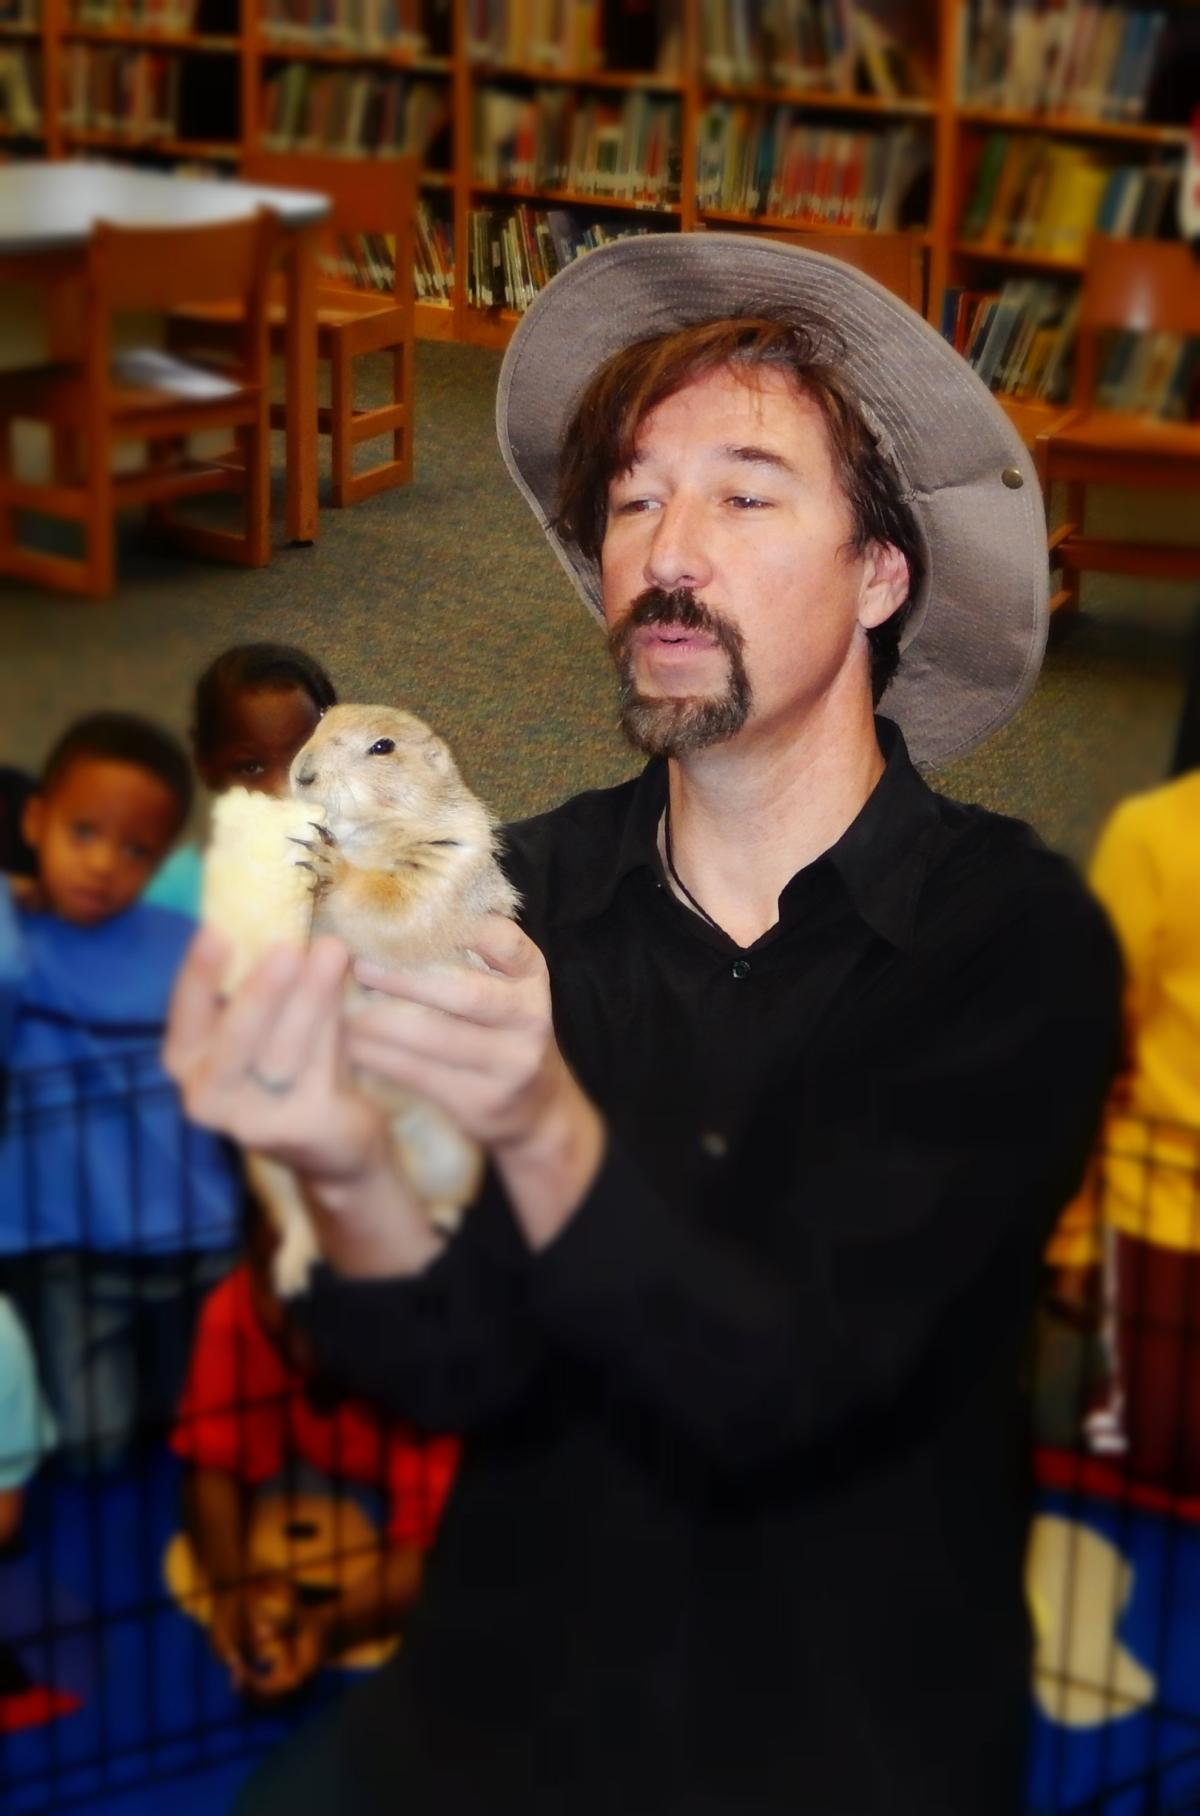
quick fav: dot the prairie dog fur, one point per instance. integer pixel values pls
(407, 862)
(404, 864)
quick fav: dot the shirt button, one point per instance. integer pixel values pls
(740, 967)
(714, 1144)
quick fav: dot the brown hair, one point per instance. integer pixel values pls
(601, 437)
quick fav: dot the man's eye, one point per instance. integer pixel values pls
(743, 501)
(382, 747)
(80, 829)
(249, 766)
(633, 507)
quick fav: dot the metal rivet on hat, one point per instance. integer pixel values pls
(1013, 478)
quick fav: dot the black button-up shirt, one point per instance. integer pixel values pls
(739, 1528)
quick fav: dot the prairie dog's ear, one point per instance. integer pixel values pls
(437, 754)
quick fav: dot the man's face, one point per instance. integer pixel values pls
(733, 605)
(100, 833)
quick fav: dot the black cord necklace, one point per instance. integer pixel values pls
(675, 876)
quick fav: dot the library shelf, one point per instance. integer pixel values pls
(161, 145)
(434, 321)
(785, 223)
(147, 38)
(282, 50)
(572, 198)
(646, 80)
(1076, 126)
(679, 66)
(1020, 260)
(820, 100)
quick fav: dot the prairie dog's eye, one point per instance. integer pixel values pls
(382, 747)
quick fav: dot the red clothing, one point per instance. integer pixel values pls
(245, 1409)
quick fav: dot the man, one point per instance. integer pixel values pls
(777, 1125)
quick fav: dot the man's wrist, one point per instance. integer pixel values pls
(370, 1226)
(550, 1168)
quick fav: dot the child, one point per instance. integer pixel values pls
(1146, 1181)
(26, 1426)
(111, 1206)
(254, 708)
(254, 1413)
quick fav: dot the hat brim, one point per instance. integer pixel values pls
(977, 632)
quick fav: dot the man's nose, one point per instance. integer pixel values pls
(677, 556)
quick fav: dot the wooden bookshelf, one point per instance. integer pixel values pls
(910, 91)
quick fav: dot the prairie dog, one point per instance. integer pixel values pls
(403, 863)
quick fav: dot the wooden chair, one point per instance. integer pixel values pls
(1139, 284)
(898, 261)
(376, 197)
(101, 400)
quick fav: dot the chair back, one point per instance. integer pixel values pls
(896, 260)
(1146, 285)
(376, 196)
(156, 268)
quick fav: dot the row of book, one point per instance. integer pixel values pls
(391, 27)
(133, 93)
(21, 12)
(624, 147)
(770, 161)
(1030, 193)
(1019, 339)
(368, 260)
(512, 255)
(20, 89)
(576, 36)
(352, 111)
(834, 46)
(167, 16)
(1076, 57)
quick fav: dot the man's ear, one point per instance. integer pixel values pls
(885, 584)
(33, 819)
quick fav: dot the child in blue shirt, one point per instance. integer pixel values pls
(115, 1214)
(256, 705)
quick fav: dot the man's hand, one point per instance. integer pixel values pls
(230, 1630)
(266, 1067)
(481, 1045)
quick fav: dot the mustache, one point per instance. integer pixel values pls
(677, 606)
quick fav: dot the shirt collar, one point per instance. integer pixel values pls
(881, 857)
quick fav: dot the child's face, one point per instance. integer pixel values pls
(259, 734)
(100, 833)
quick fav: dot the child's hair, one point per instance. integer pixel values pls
(247, 667)
(123, 738)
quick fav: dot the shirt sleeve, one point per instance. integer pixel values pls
(895, 1264)
(26, 1428)
(452, 1348)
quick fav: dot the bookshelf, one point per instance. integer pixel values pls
(999, 131)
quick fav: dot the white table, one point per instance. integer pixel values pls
(48, 210)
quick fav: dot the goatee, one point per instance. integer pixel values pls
(675, 727)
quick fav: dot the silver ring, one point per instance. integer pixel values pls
(278, 1087)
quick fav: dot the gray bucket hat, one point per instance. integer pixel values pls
(976, 632)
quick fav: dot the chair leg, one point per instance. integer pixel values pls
(100, 562)
(341, 411)
(7, 525)
(402, 440)
(160, 456)
(256, 493)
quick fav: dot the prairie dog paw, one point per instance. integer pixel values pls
(323, 859)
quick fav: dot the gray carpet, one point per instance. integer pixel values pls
(444, 597)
